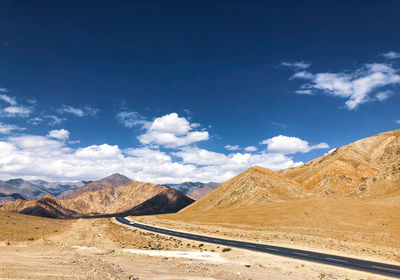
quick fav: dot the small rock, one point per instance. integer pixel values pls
(247, 265)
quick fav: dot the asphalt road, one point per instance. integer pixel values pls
(369, 266)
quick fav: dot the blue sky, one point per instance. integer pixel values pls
(176, 91)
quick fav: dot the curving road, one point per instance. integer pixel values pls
(369, 266)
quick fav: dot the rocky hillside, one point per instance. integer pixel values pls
(368, 167)
(108, 200)
(113, 180)
(255, 186)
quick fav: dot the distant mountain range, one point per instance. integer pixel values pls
(195, 190)
(14, 189)
(34, 189)
(113, 195)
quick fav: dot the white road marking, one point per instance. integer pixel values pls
(391, 269)
(273, 249)
(301, 254)
(336, 260)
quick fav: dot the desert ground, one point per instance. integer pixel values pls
(41, 248)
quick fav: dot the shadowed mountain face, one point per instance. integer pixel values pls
(10, 197)
(196, 190)
(113, 180)
(167, 201)
(107, 200)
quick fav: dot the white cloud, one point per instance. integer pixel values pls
(103, 151)
(296, 65)
(16, 111)
(35, 121)
(171, 131)
(132, 119)
(79, 112)
(8, 99)
(355, 86)
(251, 149)
(381, 96)
(8, 128)
(398, 121)
(391, 55)
(3, 90)
(13, 109)
(54, 120)
(34, 157)
(305, 91)
(201, 157)
(232, 147)
(290, 145)
(61, 134)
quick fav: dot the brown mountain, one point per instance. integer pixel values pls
(47, 206)
(167, 201)
(201, 192)
(368, 167)
(255, 186)
(113, 180)
(107, 200)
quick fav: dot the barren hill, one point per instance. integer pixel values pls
(255, 186)
(107, 200)
(113, 180)
(368, 167)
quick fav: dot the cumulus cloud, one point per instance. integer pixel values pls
(51, 157)
(290, 145)
(8, 128)
(355, 86)
(79, 112)
(391, 55)
(250, 149)
(132, 119)
(34, 157)
(398, 121)
(172, 131)
(232, 147)
(61, 134)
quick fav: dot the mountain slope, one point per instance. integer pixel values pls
(368, 167)
(255, 186)
(113, 180)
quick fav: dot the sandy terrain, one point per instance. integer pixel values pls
(101, 249)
